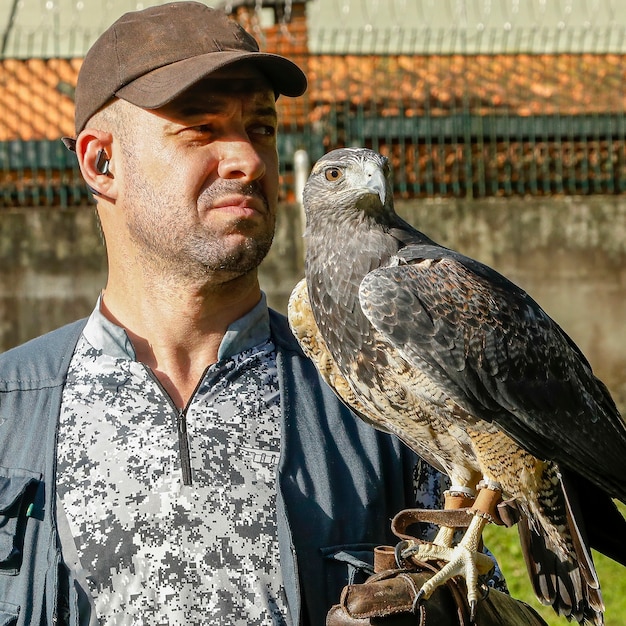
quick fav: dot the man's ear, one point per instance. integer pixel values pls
(94, 152)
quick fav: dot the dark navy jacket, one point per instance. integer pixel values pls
(339, 480)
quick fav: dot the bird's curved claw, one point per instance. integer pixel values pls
(473, 605)
(419, 597)
(400, 549)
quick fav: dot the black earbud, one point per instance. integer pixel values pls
(102, 162)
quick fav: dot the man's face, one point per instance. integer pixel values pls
(199, 182)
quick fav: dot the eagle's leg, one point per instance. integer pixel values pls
(466, 558)
(456, 497)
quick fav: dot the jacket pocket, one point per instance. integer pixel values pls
(8, 613)
(351, 563)
(18, 488)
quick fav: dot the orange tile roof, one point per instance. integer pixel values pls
(516, 84)
(35, 98)
(36, 103)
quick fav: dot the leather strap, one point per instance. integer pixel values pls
(501, 512)
(486, 504)
(453, 518)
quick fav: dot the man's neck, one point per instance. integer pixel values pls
(178, 333)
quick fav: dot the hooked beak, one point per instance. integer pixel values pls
(376, 184)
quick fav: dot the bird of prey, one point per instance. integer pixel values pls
(466, 369)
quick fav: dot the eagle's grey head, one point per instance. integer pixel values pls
(349, 182)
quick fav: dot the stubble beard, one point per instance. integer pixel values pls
(196, 252)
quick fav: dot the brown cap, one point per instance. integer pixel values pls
(149, 57)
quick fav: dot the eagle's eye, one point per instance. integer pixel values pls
(333, 173)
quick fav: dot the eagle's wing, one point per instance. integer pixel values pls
(499, 356)
(305, 330)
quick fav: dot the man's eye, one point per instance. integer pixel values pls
(202, 128)
(263, 129)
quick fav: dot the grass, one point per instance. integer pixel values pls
(504, 543)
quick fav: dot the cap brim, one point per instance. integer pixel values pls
(162, 85)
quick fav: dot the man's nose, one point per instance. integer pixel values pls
(240, 159)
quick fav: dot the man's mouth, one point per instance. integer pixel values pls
(243, 206)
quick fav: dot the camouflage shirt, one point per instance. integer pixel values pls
(173, 511)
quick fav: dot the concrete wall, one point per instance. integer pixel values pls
(568, 253)
(51, 270)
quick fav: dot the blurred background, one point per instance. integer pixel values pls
(504, 121)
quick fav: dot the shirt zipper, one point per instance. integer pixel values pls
(183, 446)
(181, 426)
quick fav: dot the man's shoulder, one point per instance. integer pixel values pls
(281, 332)
(41, 359)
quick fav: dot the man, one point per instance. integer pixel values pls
(174, 459)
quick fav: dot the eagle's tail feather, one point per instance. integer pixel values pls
(604, 524)
(561, 570)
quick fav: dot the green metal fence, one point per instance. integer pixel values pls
(466, 125)
(540, 112)
(39, 173)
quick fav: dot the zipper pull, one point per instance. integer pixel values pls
(183, 446)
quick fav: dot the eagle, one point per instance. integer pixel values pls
(468, 371)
